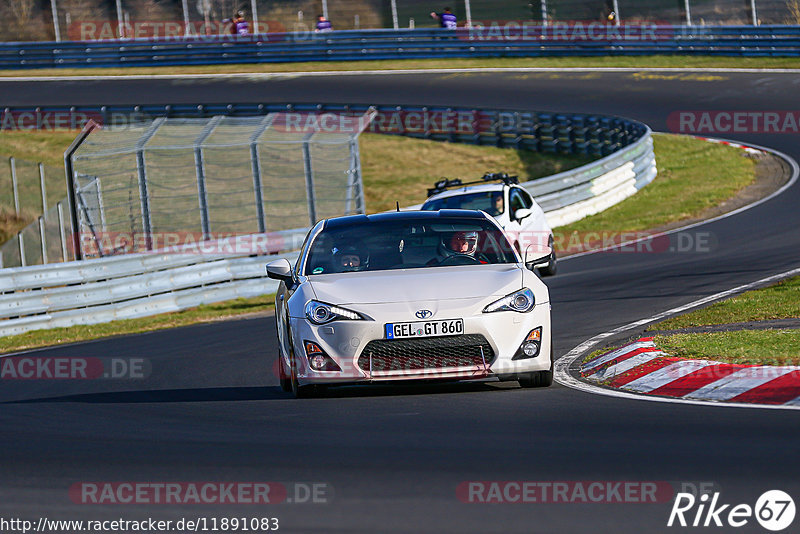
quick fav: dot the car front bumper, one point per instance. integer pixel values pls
(486, 348)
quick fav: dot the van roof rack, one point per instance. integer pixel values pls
(445, 183)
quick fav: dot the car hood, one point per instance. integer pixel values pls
(417, 285)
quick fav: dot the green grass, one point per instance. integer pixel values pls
(29, 148)
(646, 62)
(693, 176)
(390, 175)
(200, 314)
(765, 347)
(781, 301)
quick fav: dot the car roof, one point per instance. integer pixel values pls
(357, 220)
(467, 190)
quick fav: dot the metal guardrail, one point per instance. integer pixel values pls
(592, 39)
(137, 285)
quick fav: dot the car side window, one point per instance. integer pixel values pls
(527, 201)
(515, 201)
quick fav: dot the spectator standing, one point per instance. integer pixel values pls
(446, 19)
(239, 26)
(323, 24)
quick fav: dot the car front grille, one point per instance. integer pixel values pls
(426, 353)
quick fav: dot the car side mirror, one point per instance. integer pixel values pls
(537, 256)
(280, 270)
(522, 213)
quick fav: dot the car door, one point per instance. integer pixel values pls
(534, 228)
(514, 226)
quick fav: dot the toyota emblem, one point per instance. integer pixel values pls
(424, 314)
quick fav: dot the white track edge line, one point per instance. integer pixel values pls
(562, 365)
(788, 159)
(384, 72)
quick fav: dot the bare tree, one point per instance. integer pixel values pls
(22, 20)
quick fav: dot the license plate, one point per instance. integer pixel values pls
(447, 327)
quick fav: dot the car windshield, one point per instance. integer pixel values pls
(407, 244)
(489, 201)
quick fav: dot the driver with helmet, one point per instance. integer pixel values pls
(349, 258)
(461, 244)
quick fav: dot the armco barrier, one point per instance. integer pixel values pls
(165, 283)
(578, 39)
(137, 285)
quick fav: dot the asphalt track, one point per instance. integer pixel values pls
(393, 458)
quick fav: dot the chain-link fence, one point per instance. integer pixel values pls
(174, 182)
(100, 20)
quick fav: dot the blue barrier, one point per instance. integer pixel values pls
(530, 41)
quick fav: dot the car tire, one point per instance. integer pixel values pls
(552, 265)
(537, 379)
(285, 380)
(302, 392)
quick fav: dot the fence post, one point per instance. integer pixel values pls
(753, 11)
(61, 235)
(544, 12)
(44, 191)
(43, 239)
(13, 164)
(141, 170)
(69, 172)
(255, 163)
(357, 191)
(201, 176)
(395, 23)
(616, 12)
(21, 244)
(688, 12)
(309, 173)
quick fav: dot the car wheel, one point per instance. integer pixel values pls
(285, 380)
(538, 379)
(301, 392)
(552, 265)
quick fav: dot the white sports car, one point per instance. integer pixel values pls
(410, 296)
(519, 215)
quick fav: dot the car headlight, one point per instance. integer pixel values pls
(519, 301)
(321, 313)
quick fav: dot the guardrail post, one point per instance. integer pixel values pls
(13, 164)
(141, 171)
(201, 176)
(43, 237)
(255, 163)
(308, 171)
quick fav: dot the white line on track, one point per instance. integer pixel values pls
(795, 173)
(562, 365)
(385, 72)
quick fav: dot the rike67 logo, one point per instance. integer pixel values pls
(774, 510)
